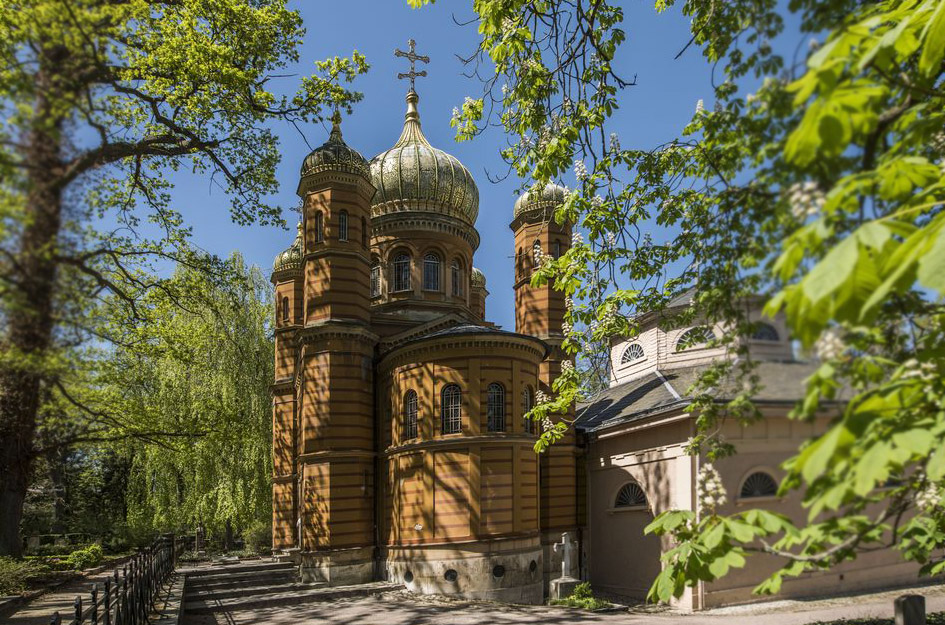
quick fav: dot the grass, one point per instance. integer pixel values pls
(582, 597)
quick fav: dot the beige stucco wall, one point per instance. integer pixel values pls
(622, 561)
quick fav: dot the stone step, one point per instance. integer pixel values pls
(268, 578)
(242, 567)
(211, 594)
(288, 598)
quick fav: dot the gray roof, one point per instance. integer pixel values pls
(781, 382)
(474, 329)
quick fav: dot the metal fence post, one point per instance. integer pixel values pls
(93, 616)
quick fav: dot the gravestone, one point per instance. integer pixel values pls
(564, 585)
(910, 610)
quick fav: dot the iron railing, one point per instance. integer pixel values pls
(127, 595)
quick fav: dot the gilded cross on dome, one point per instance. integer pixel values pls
(413, 57)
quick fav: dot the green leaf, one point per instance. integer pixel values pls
(933, 47)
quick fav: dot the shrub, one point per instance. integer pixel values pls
(258, 537)
(582, 597)
(86, 558)
(14, 574)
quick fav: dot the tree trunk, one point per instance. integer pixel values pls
(29, 320)
(228, 537)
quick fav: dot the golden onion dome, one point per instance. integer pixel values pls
(292, 257)
(552, 196)
(477, 279)
(335, 155)
(415, 176)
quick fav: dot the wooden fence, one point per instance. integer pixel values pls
(126, 596)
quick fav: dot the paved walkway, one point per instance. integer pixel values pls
(405, 609)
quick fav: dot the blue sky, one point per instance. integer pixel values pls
(653, 111)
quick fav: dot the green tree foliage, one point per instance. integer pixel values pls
(822, 188)
(201, 372)
(100, 100)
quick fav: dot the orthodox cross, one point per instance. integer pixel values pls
(413, 57)
(565, 547)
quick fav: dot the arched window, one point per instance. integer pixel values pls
(343, 226)
(285, 308)
(758, 484)
(765, 332)
(527, 404)
(630, 495)
(431, 272)
(319, 227)
(456, 279)
(401, 272)
(556, 249)
(633, 352)
(495, 404)
(451, 420)
(365, 237)
(695, 337)
(375, 277)
(410, 415)
(520, 262)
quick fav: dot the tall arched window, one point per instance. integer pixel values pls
(431, 272)
(695, 337)
(401, 272)
(456, 279)
(319, 227)
(343, 226)
(556, 249)
(365, 237)
(520, 262)
(633, 352)
(765, 332)
(630, 495)
(375, 278)
(451, 400)
(285, 308)
(758, 484)
(527, 404)
(410, 415)
(495, 411)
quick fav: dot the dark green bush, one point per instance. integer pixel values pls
(86, 558)
(582, 597)
(14, 574)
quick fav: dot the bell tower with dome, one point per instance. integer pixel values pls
(400, 447)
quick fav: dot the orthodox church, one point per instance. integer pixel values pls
(400, 446)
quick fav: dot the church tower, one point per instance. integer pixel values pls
(324, 468)
(539, 312)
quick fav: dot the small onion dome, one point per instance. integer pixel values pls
(335, 155)
(292, 257)
(415, 176)
(552, 196)
(477, 279)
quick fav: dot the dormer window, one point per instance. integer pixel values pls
(634, 351)
(692, 338)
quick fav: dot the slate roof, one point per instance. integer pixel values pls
(473, 329)
(781, 382)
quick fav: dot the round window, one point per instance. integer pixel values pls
(498, 571)
(451, 575)
(408, 577)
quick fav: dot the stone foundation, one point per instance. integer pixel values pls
(338, 567)
(482, 571)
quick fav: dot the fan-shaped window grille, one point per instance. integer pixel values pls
(527, 404)
(496, 408)
(343, 226)
(765, 332)
(401, 271)
(431, 272)
(694, 337)
(630, 496)
(633, 352)
(410, 415)
(456, 278)
(375, 279)
(450, 415)
(758, 484)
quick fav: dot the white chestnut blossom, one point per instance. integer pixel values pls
(938, 141)
(614, 143)
(830, 345)
(700, 107)
(566, 328)
(806, 199)
(597, 201)
(567, 366)
(709, 489)
(580, 169)
(577, 238)
(929, 498)
(569, 303)
(547, 424)
(541, 397)
(611, 239)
